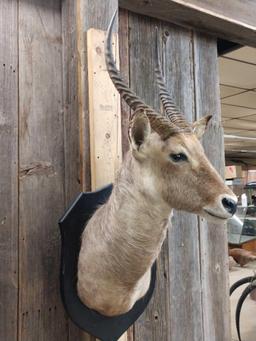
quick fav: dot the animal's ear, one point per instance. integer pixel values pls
(200, 126)
(139, 130)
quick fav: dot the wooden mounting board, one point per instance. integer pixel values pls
(104, 113)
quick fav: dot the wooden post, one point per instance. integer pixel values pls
(73, 174)
(213, 238)
(183, 237)
(104, 113)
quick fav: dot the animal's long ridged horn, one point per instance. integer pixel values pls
(159, 123)
(171, 110)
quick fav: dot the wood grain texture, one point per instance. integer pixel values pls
(89, 15)
(183, 237)
(232, 19)
(70, 100)
(8, 170)
(123, 37)
(154, 324)
(213, 238)
(243, 11)
(71, 117)
(104, 112)
(41, 150)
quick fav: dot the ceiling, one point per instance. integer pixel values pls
(238, 103)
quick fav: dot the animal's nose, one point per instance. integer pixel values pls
(230, 205)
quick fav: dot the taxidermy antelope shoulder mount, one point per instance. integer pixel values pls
(109, 251)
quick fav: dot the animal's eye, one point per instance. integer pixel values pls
(178, 157)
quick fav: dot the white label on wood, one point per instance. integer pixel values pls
(104, 112)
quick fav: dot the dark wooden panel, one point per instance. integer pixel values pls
(41, 174)
(232, 20)
(213, 238)
(8, 170)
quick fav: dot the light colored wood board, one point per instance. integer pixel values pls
(184, 263)
(154, 323)
(198, 14)
(213, 238)
(8, 170)
(104, 113)
(89, 15)
(41, 173)
(124, 68)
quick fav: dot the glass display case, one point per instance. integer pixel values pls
(242, 226)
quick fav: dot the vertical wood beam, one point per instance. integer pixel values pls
(213, 238)
(89, 15)
(183, 236)
(73, 178)
(41, 174)
(70, 100)
(104, 113)
(8, 170)
(154, 324)
(123, 33)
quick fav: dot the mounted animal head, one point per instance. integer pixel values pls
(171, 159)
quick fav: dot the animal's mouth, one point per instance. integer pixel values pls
(215, 215)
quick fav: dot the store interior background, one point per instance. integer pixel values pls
(238, 108)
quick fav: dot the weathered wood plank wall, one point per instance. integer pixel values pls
(180, 309)
(184, 264)
(46, 164)
(41, 173)
(230, 19)
(213, 238)
(154, 324)
(73, 156)
(8, 171)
